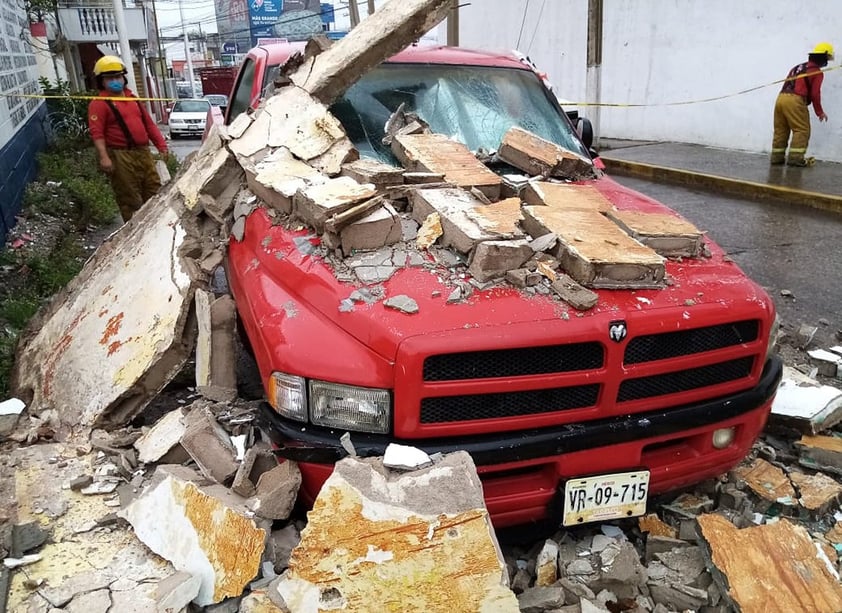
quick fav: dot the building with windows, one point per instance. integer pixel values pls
(22, 114)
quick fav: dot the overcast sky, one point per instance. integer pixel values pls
(202, 12)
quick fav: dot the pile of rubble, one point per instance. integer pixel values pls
(196, 509)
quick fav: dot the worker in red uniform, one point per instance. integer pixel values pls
(121, 131)
(802, 87)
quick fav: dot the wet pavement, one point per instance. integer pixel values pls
(738, 173)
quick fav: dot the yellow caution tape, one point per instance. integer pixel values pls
(74, 97)
(567, 103)
(703, 100)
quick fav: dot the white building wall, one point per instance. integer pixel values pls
(662, 51)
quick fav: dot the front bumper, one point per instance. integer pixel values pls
(304, 443)
(190, 129)
(521, 470)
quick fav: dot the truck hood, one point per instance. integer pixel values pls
(291, 258)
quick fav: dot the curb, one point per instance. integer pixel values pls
(749, 190)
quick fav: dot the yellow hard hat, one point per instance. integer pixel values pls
(826, 48)
(109, 64)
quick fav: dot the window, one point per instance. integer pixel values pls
(242, 91)
(191, 106)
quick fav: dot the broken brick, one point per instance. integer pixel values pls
(565, 196)
(379, 228)
(767, 481)
(209, 446)
(574, 294)
(276, 491)
(216, 348)
(546, 566)
(315, 204)
(462, 226)
(537, 156)
(669, 235)
(373, 171)
(257, 460)
(493, 259)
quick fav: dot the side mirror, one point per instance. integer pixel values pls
(585, 130)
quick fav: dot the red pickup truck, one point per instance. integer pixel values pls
(576, 418)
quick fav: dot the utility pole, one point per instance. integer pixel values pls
(125, 50)
(162, 62)
(201, 39)
(453, 25)
(186, 49)
(593, 91)
(354, 12)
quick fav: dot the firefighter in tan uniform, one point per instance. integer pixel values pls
(122, 130)
(802, 87)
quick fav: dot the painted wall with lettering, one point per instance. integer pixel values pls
(21, 116)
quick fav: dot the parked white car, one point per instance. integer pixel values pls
(188, 118)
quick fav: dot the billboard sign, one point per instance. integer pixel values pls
(230, 48)
(263, 15)
(327, 13)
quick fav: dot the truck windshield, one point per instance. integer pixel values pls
(475, 105)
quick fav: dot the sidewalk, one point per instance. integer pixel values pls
(726, 171)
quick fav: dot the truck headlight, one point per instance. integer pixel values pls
(288, 395)
(348, 407)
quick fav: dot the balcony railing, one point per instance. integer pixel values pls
(96, 24)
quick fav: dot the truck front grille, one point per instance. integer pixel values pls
(532, 381)
(684, 380)
(507, 404)
(514, 362)
(686, 342)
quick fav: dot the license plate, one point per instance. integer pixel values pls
(605, 497)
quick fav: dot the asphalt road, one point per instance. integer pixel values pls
(181, 147)
(781, 247)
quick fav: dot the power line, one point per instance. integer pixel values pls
(537, 23)
(522, 22)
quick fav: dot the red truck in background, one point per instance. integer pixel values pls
(576, 419)
(217, 79)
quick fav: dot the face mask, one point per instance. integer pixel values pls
(115, 86)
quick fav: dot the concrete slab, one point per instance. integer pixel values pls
(437, 153)
(327, 76)
(594, 251)
(205, 530)
(805, 404)
(750, 565)
(107, 343)
(420, 538)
